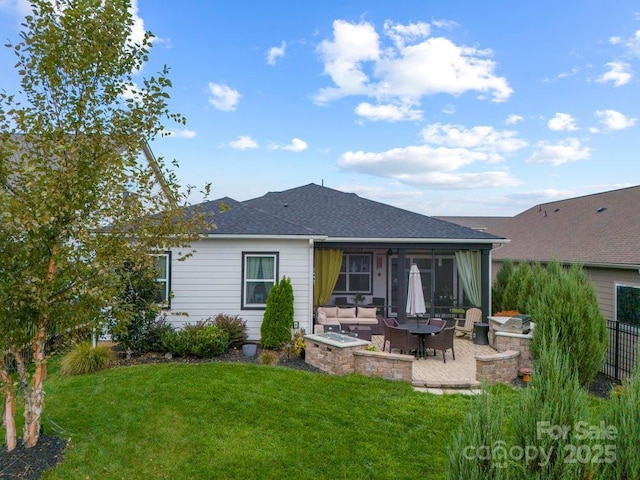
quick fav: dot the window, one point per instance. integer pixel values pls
(163, 264)
(259, 274)
(355, 274)
(628, 304)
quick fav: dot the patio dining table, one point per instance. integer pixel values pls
(421, 331)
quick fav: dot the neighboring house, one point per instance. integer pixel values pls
(599, 231)
(330, 244)
(482, 224)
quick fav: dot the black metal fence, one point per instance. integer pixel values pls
(622, 351)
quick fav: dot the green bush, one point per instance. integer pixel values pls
(554, 399)
(622, 414)
(277, 322)
(482, 429)
(565, 304)
(202, 339)
(139, 327)
(83, 358)
(499, 285)
(235, 327)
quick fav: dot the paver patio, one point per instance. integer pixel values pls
(433, 374)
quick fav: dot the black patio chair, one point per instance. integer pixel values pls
(401, 339)
(441, 341)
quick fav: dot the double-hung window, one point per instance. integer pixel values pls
(163, 265)
(259, 274)
(355, 274)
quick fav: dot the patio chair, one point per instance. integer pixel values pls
(401, 339)
(471, 317)
(441, 341)
(438, 322)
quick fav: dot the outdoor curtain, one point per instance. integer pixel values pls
(470, 273)
(326, 266)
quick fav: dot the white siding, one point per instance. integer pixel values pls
(210, 281)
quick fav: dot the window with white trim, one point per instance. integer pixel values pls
(259, 274)
(355, 274)
(163, 265)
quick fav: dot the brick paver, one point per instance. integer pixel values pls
(433, 373)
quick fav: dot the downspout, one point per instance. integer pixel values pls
(402, 286)
(312, 277)
(485, 275)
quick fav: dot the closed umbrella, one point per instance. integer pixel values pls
(415, 295)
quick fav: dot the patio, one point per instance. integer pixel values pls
(455, 376)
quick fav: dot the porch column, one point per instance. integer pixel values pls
(402, 287)
(485, 275)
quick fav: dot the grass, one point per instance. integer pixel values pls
(219, 421)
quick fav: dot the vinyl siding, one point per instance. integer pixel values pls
(210, 281)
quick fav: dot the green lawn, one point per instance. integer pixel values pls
(218, 420)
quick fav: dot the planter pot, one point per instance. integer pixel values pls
(249, 349)
(302, 353)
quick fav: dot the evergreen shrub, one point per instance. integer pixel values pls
(234, 326)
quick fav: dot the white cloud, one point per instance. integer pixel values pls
(569, 150)
(402, 73)
(276, 52)
(388, 112)
(184, 133)
(619, 73)
(244, 142)
(137, 29)
(613, 120)
(562, 122)
(223, 97)
(513, 119)
(401, 34)
(633, 44)
(132, 92)
(481, 138)
(296, 145)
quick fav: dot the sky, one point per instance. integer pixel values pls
(441, 107)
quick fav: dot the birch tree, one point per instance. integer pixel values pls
(77, 199)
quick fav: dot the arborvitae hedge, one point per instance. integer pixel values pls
(497, 290)
(278, 316)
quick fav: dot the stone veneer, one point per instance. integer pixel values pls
(392, 366)
(504, 342)
(331, 356)
(342, 358)
(499, 367)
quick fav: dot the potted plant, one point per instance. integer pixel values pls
(358, 298)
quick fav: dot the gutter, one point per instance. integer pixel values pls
(489, 241)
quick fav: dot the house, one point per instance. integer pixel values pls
(599, 231)
(331, 245)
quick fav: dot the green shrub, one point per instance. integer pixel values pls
(277, 322)
(235, 327)
(83, 358)
(622, 414)
(482, 430)
(554, 400)
(268, 357)
(565, 304)
(503, 278)
(202, 339)
(138, 327)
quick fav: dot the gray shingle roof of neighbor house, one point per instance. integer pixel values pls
(321, 211)
(484, 224)
(598, 229)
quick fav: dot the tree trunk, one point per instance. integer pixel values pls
(35, 404)
(8, 414)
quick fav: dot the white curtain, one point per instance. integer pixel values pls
(470, 273)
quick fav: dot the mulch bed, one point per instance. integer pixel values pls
(31, 463)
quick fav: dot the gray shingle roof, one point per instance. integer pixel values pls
(602, 228)
(317, 210)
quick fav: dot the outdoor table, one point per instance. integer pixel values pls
(421, 331)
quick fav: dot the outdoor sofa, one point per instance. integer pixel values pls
(344, 317)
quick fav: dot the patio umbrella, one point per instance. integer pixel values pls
(415, 296)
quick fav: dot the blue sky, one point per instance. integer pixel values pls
(439, 107)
